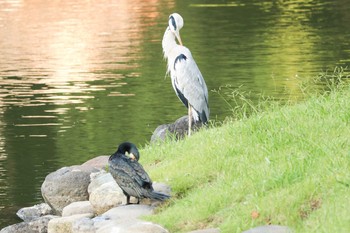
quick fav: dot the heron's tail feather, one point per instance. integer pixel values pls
(158, 196)
(203, 118)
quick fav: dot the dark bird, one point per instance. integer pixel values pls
(187, 80)
(130, 175)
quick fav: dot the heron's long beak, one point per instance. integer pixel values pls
(178, 37)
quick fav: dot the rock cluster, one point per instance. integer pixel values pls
(86, 199)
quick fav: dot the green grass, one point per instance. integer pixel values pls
(285, 165)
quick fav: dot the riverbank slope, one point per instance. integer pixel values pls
(288, 166)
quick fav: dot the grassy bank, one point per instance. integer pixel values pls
(289, 166)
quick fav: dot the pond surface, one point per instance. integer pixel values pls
(79, 77)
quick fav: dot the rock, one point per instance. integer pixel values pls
(66, 185)
(162, 188)
(65, 224)
(104, 192)
(79, 207)
(209, 230)
(33, 212)
(125, 219)
(142, 227)
(160, 133)
(17, 228)
(158, 187)
(178, 129)
(128, 212)
(99, 178)
(83, 225)
(39, 225)
(99, 162)
(128, 227)
(269, 229)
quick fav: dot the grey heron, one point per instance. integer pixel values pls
(186, 78)
(130, 175)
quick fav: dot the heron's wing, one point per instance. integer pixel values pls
(189, 83)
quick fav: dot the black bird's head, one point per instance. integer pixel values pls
(129, 149)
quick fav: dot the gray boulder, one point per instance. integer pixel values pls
(128, 212)
(209, 230)
(141, 227)
(83, 225)
(66, 185)
(33, 212)
(104, 192)
(158, 187)
(79, 207)
(178, 129)
(99, 162)
(17, 228)
(65, 224)
(126, 219)
(38, 225)
(269, 229)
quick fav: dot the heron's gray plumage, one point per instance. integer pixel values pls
(186, 78)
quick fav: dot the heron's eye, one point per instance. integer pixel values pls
(172, 23)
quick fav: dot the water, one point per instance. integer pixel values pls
(77, 78)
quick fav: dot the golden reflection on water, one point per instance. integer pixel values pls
(55, 56)
(61, 45)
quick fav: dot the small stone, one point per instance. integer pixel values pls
(158, 187)
(126, 219)
(99, 162)
(135, 226)
(162, 188)
(84, 225)
(65, 224)
(143, 227)
(39, 225)
(17, 228)
(209, 230)
(79, 207)
(33, 212)
(269, 229)
(128, 212)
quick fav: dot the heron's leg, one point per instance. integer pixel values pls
(189, 119)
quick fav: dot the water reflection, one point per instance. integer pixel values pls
(56, 47)
(54, 57)
(78, 77)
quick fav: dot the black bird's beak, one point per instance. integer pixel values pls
(132, 156)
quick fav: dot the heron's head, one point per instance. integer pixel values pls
(130, 150)
(176, 22)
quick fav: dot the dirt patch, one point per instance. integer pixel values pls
(310, 206)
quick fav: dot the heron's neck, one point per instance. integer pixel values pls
(169, 42)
